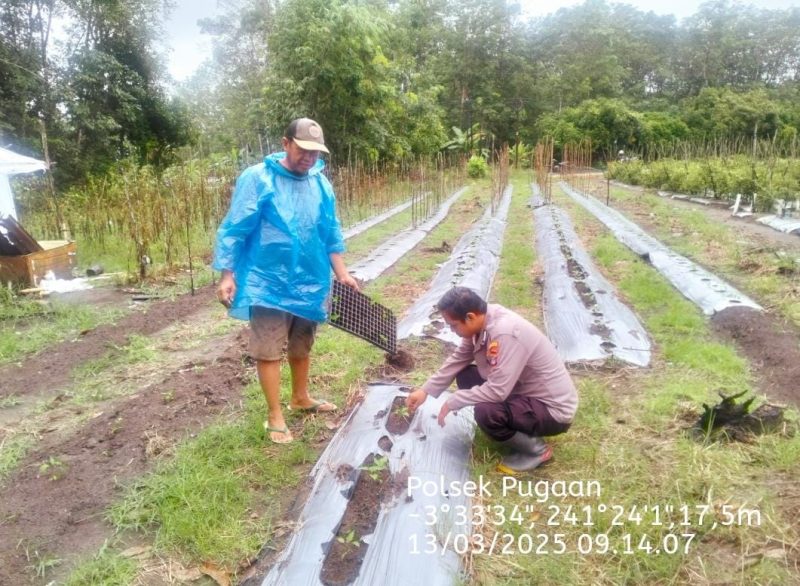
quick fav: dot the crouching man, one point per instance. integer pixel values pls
(508, 369)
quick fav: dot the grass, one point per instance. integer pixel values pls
(106, 568)
(514, 286)
(27, 327)
(10, 401)
(13, 448)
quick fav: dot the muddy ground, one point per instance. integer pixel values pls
(60, 511)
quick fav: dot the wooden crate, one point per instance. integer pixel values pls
(59, 256)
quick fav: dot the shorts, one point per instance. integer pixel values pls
(272, 331)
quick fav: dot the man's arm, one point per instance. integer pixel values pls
(240, 221)
(455, 363)
(341, 272)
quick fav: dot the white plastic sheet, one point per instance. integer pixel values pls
(365, 225)
(473, 264)
(785, 225)
(426, 452)
(580, 333)
(703, 288)
(395, 248)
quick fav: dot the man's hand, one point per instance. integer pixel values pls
(350, 281)
(415, 399)
(226, 289)
(443, 413)
(341, 272)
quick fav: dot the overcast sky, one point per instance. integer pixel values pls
(188, 48)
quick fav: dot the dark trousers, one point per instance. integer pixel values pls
(500, 421)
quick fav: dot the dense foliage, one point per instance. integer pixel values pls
(720, 177)
(390, 79)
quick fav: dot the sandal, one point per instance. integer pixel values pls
(271, 431)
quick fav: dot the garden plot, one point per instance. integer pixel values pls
(703, 288)
(473, 264)
(365, 225)
(388, 253)
(583, 316)
(395, 552)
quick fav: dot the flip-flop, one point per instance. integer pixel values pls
(316, 407)
(284, 430)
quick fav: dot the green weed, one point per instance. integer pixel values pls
(13, 449)
(10, 401)
(106, 568)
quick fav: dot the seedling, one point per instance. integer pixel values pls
(52, 467)
(349, 538)
(378, 465)
(403, 411)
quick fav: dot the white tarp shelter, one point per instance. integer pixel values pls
(12, 163)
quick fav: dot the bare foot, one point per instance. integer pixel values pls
(312, 406)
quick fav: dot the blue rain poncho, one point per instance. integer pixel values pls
(277, 238)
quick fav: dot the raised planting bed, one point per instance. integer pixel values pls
(374, 486)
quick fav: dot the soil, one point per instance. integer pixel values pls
(51, 369)
(54, 501)
(399, 418)
(385, 443)
(770, 344)
(401, 360)
(347, 550)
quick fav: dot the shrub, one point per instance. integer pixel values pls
(477, 167)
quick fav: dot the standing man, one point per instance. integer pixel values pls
(519, 386)
(276, 248)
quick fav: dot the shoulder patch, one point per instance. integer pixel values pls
(493, 352)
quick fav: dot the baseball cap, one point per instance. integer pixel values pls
(307, 134)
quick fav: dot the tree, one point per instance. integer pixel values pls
(330, 64)
(608, 123)
(721, 112)
(227, 94)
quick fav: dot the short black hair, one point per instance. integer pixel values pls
(459, 301)
(291, 130)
